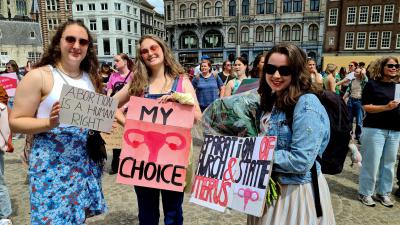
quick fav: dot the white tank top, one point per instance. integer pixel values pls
(45, 106)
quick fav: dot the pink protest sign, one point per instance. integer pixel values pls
(155, 154)
(171, 113)
(9, 81)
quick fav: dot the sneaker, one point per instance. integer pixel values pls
(5, 222)
(385, 200)
(366, 200)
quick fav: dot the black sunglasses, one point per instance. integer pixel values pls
(72, 40)
(283, 70)
(390, 66)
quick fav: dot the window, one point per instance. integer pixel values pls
(2, 63)
(119, 45)
(193, 10)
(68, 4)
(128, 9)
(373, 40)
(331, 40)
(297, 5)
(117, 6)
(361, 37)
(92, 7)
(52, 24)
(269, 34)
(286, 33)
(314, 5)
(104, 24)
(189, 40)
(32, 34)
(245, 35)
(296, 33)
(182, 11)
(51, 5)
(118, 24)
(363, 15)
(245, 7)
(21, 7)
(232, 8)
(128, 25)
(130, 47)
(212, 39)
(134, 11)
(79, 7)
(388, 13)
(259, 34)
(260, 6)
(333, 17)
(232, 35)
(135, 27)
(270, 6)
(287, 5)
(351, 15)
(106, 47)
(398, 41)
(104, 6)
(34, 56)
(207, 9)
(92, 25)
(218, 9)
(169, 12)
(376, 14)
(313, 32)
(385, 39)
(349, 40)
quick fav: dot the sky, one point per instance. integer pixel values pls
(159, 4)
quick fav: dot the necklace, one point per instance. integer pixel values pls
(76, 77)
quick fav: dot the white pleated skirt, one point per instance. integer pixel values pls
(295, 206)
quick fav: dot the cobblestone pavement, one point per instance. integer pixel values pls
(121, 201)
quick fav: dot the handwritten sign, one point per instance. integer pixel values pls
(234, 172)
(87, 109)
(114, 139)
(397, 93)
(9, 81)
(156, 144)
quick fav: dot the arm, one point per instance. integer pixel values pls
(109, 91)
(27, 99)
(123, 95)
(331, 84)
(4, 126)
(342, 81)
(381, 108)
(228, 88)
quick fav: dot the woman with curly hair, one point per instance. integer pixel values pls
(381, 132)
(65, 183)
(256, 71)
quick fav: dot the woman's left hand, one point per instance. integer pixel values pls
(166, 98)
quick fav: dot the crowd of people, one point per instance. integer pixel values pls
(65, 183)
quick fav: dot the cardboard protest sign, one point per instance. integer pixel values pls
(397, 93)
(9, 81)
(87, 109)
(156, 144)
(234, 172)
(114, 138)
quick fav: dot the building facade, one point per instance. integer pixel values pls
(159, 25)
(219, 28)
(115, 25)
(361, 30)
(151, 21)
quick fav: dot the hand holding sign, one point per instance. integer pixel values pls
(54, 115)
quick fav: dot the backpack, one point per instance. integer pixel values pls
(333, 158)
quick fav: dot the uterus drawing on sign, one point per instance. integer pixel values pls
(248, 194)
(154, 141)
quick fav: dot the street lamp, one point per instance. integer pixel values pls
(238, 31)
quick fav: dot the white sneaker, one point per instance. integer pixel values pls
(5, 222)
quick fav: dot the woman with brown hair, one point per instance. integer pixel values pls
(65, 183)
(157, 75)
(241, 71)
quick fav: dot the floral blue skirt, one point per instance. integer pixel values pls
(65, 185)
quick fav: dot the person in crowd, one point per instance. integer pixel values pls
(65, 183)
(256, 71)
(5, 202)
(354, 104)
(329, 79)
(284, 86)
(226, 74)
(28, 67)
(381, 133)
(350, 75)
(312, 70)
(197, 70)
(116, 82)
(157, 76)
(207, 85)
(105, 72)
(340, 76)
(241, 71)
(12, 67)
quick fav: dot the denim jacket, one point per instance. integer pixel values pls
(296, 152)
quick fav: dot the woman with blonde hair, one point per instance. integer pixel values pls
(157, 75)
(329, 80)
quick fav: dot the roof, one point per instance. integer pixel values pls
(147, 4)
(18, 33)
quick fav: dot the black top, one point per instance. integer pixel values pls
(381, 93)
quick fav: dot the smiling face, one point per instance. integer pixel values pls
(151, 53)
(389, 73)
(74, 43)
(276, 81)
(204, 68)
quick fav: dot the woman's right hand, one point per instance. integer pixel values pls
(54, 119)
(392, 105)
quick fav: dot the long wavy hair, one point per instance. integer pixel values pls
(254, 70)
(376, 68)
(129, 62)
(300, 84)
(142, 73)
(89, 64)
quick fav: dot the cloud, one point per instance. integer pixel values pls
(159, 4)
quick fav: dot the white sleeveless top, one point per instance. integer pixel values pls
(45, 106)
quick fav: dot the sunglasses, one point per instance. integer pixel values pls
(152, 48)
(72, 40)
(351, 65)
(283, 70)
(390, 66)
